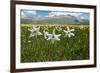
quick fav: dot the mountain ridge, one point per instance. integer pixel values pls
(61, 19)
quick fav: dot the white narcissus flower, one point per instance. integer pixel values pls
(53, 37)
(35, 31)
(46, 34)
(69, 32)
(81, 27)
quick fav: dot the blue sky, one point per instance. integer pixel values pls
(37, 14)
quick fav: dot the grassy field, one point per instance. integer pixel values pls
(38, 49)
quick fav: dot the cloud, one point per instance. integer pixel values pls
(82, 17)
(52, 14)
(23, 15)
(27, 14)
(31, 12)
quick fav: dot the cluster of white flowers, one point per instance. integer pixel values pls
(68, 32)
(35, 31)
(53, 37)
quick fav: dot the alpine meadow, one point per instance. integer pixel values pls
(54, 36)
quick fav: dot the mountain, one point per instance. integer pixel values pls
(26, 21)
(84, 22)
(61, 19)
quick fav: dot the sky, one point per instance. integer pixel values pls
(31, 14)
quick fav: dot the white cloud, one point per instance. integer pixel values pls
(75, 14)
(82, 17)
(31, 12)
(52, 14)
(25, 14)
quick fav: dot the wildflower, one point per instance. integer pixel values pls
(46, 34)
(60, 29)
(35, 31)
(68, 32)
(53, 37)
(81, 27)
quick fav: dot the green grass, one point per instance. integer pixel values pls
(40, 50)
